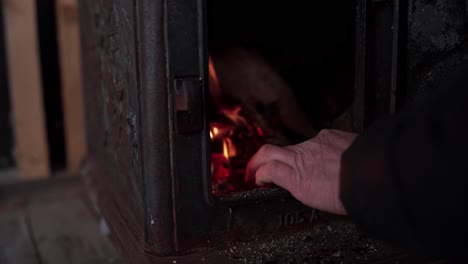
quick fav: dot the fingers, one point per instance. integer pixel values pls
(275, 172)
(266, 154)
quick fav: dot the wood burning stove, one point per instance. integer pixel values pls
(150, 110)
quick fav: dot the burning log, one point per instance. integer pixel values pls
(253, 105)
(248, 78)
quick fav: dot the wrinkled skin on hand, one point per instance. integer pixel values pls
(310, 171)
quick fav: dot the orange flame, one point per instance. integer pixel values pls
(230, 132)
(235, 116)
(225, 150)
(215, 88)
(215, 132)
(229, 150)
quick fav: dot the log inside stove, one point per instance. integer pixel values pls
(251, 104)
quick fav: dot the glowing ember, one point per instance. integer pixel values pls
(225, 150)
(229, 150)
(214, 132)
(234, 139)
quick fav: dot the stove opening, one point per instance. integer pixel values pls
(278, 74)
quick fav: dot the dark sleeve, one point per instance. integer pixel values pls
(405, 179)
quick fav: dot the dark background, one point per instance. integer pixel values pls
(310, 44)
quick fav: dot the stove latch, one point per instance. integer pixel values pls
(188, 105)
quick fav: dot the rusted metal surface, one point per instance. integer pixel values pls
(111, 99)
(436, 43)
(403, 48)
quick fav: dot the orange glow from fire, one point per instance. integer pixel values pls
(215, 88)
(214, 132)
(229, 150)
(212, 72)
(225, 150)
(234, 139)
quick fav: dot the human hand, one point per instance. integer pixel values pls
(310, 171)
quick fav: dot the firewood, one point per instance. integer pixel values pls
(248, 78)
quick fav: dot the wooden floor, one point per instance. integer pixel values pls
(51, 222)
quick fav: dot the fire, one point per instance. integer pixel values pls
(215, 88)
(234, 115)
(229, 150)
(226, 150)
(234, 139)
(214, 132)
